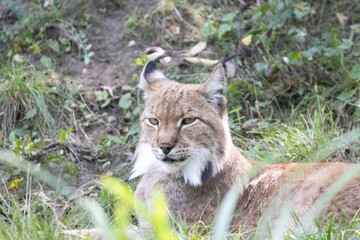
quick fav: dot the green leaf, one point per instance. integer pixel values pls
(145, 59)
(54, 45)
(139, 62)
(62, 135)
(103, 96)
(31, 113)
(223, 28)
(46, 61)
(233, 87)
(36, 48)
(105, 103)
(355, 72)
(346, 44)
(264, 8)
(229, 17)
(28, 38)
(207, 29)
(310, 52)
(332, 51)
(125, 101)
(300, 14)
(21, 132)
(347, 96)
(116, 139)
(18, 143)
(295, 55)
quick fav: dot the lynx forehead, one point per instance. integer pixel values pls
(178, 135)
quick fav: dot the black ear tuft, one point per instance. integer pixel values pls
(151, 65)
(149, 75)
(223, 61)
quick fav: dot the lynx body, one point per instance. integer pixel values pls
(185, 148)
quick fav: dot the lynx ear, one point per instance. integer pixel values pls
(214, 88)
(150, 75)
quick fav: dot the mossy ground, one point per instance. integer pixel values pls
(67, 167)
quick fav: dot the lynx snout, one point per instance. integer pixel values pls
(166, 147)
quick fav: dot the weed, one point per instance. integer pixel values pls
(23, 98)
(28, 100)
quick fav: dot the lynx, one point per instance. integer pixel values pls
(185, 148)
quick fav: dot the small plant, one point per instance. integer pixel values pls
(22, 146)
(26, 97)
(64, 135)
(23, 97)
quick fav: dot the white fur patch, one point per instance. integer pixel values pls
(194, 167)
(145, 161)
(272, 175)
(155, 75)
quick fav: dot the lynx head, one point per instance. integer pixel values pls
(184, 126)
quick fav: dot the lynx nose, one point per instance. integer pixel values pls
(166, 147)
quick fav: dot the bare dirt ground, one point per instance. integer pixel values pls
(113, 62)
(112, 66)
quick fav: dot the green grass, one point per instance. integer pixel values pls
(23, 98)
(29, 98)
(36, 218)
(298, 141)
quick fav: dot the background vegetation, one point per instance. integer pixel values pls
(69, 103)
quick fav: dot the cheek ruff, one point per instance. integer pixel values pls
(195, 165)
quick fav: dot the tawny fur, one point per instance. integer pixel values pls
(193, 191)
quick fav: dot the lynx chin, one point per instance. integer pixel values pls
(185, 148)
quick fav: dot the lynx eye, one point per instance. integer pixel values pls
(187, 121)
(153, 121)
